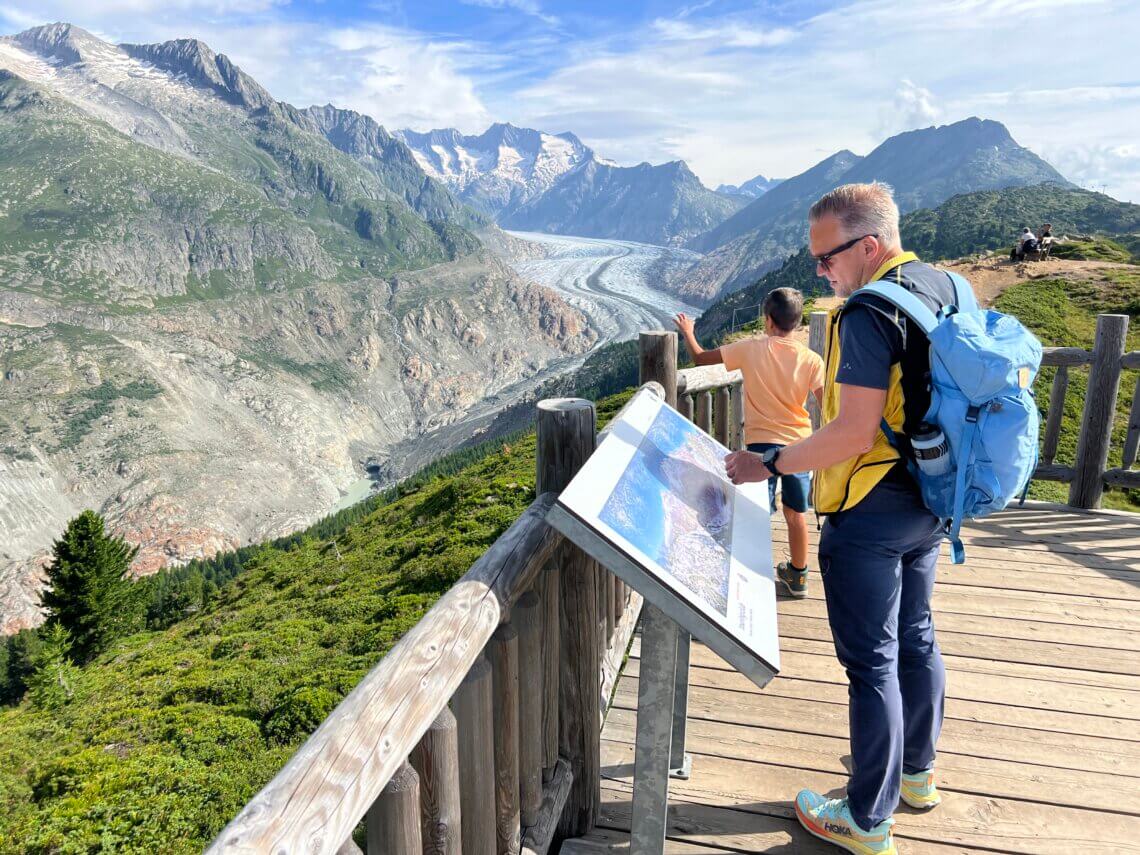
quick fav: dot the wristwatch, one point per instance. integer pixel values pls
(769, 458)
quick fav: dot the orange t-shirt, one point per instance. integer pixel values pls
(779, 374)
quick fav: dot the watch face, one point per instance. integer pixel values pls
(769, 455)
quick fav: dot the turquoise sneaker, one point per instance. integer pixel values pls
(830, 820)
(918, 790)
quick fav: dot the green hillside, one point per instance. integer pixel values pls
(170, 732)
(975, 222)
(969, 223)
(88, 215)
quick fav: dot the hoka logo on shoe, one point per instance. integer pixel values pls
(836, 829)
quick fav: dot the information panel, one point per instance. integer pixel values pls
(654, 506)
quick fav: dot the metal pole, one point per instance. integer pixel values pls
(655, 692)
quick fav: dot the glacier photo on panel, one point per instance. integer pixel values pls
(670, 505)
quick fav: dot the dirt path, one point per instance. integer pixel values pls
(990, 276)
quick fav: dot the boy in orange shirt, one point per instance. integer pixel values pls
(778, 372)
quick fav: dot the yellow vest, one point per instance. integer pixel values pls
(845, 484)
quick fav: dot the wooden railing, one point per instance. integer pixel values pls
(479, 731)
(1089, 474)
(526, 647)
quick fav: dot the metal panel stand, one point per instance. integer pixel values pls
(655, 693)
(680, 763)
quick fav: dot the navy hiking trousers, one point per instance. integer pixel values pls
(877, 561)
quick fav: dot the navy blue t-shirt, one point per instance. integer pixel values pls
(869, 344)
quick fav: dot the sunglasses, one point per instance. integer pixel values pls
(824, 260)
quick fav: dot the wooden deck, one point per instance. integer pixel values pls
(1041, 747)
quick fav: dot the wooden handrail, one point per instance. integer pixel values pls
(1069, 356)
(313, 804)
(705, 378)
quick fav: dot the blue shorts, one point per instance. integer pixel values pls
(794, 488)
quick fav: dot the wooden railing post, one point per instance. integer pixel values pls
(436, 761)
(504, 652)
(1100, 409)
(567, 436)
(702, 415)
(685, 406)
(657, 360)
(1132, 437)
(550, 653)
(720, 415)
(393, 822)
(736, 405)
(1056, 413)
(528, 620)
(473, 712)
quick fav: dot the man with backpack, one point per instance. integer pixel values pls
(879, 545)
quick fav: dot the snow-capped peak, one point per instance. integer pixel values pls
(505, 165)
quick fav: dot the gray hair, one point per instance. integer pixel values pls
(862, 209)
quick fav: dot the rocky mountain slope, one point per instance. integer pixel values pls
(214, 306)
(924, 167)
(651, 204)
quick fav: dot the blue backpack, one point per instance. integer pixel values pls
(982, 367)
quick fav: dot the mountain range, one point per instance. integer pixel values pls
(530, 180)
(753, 188)
(214, 306)
(924, 167)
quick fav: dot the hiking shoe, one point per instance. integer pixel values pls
(794, 581)
(830, 820)
(918, 790)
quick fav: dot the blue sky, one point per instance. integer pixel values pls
(734, 88)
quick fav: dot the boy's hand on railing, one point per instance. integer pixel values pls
(743, 467)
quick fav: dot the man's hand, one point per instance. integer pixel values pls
(684, 324)
(745, 466)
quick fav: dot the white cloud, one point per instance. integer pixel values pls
(1111, 168)
(527, 7)
(913, 107)
(403, 80)
(723, 35)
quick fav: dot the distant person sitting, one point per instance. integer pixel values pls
(1026, 242)
(779, 372)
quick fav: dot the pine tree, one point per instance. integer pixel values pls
(52, 683)
(89, 593)
(23, 648)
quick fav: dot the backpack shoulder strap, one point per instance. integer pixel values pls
(964, 299)
(904, 301)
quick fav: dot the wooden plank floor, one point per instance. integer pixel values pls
(1040, 751)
